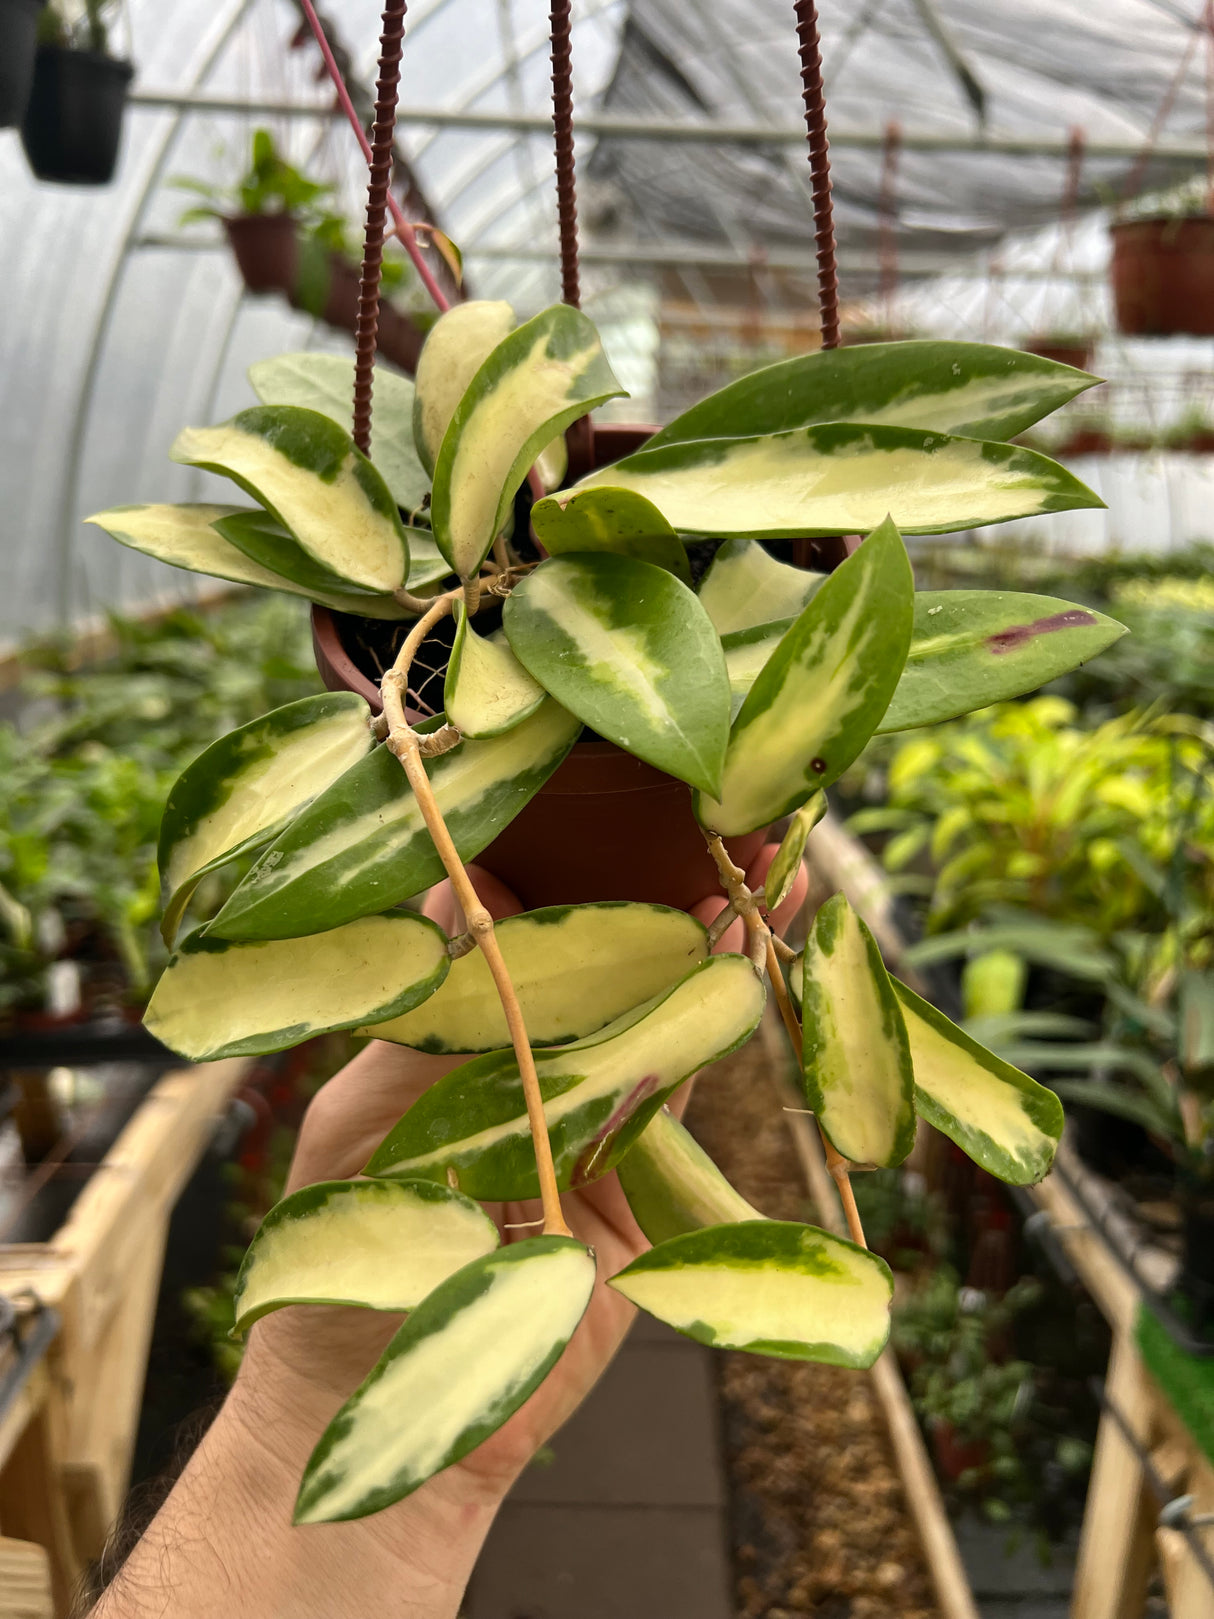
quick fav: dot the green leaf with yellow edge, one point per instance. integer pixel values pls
(219, 999)
(856, 1061)
(456, 346)
(970, 648)
(843, 478)
(1005, 1121)
(673, 1186)
(245, 787)
(629, 650)
(538, 380)
(363, 845)
(258, 535)
(379, 1245)
(463, 1363)
(772, 1287)
(975, 389)
(609, 520)
(307, 473)
(782, 872)
(486, 690)
(821, 693)
(746, 587)
(574, 969)
(598, 1093)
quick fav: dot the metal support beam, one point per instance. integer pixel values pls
(617, 126)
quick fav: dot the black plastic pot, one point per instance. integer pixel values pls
(1196, 1280)
(73, 124)
(18, 37)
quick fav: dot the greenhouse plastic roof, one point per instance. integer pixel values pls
(121, 326)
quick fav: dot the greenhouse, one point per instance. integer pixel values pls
(607, 809)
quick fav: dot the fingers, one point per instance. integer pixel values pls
(734, 937)
(440, 904)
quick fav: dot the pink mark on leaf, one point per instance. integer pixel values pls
(1019, 634)
(585, 1170)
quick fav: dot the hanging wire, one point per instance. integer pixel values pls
(1134, 178)
(562, 128)
(367, 326)
(810, 51)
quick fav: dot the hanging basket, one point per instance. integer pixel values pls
(1163, 276)
(73, 124)
(327, 287)
(1064, 348)
(266, 251)
(18, 40)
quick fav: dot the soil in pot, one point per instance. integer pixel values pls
(73, 124)
(18, 40)
(265, 247)
(1163, 276)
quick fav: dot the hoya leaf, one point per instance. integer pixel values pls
(306, 472)
(1005, 1121)
(258, 535)
(538, 380)
(746, 587)
(243, 789)
(843, 478)
(487, 690)
(822, 692)
(219, 999)
(630, 651)
(782, 872)
(974, 647)
(552, 463)
(325, 382)
(363, 845)
(463, 1363)
(855, 1056)
(609, 520)
(598, 1094)
(382, 1245)
(974, 389)
(747, 654)
(574, 968)
(772, 1287)
(456, 346)
(673, 1186)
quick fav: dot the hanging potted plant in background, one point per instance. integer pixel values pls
(327, 285)
(72, 127)
(18, 41)
(1065, 348)
(1163, 266)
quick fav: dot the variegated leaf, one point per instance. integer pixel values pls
(843, 478)
(746, 587)
(974, 647)
(538, 380)
(630, 651)
(325, 382)
(242, 790)
(782, 872)
(218, 999)
(363, 846)
(306, 472)
(552, 463)
(1005, 1121)
(822, 692)
(185, 537)
(574, 968)
(258, 535)
(456, 347)
(380, 1245)
(463, 1363)
(772, 1287)
(487, 690)
(673, 1186)
(971, 388)
(856, 1060)
(609, 520)
(598, 1094)
(747, 654)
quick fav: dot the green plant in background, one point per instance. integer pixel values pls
(756, 690)
(85, 27)
(270, 185)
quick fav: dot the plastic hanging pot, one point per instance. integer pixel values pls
(1163, 276)
(73, 124)
(18, 40)
(1064, 350)
(265, 247)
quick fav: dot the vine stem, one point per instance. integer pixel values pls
(763, 944)
(404, 742)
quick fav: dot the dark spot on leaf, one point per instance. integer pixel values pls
(818, 765)
(1018, 634)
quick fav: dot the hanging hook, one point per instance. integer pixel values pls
(810, 52)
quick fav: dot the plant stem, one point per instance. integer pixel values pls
(405, 744)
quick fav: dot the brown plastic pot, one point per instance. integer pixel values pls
(1061, 350)
(266, 250)
(1163, 276)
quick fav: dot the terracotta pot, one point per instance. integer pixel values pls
(266, 250)
(1062, 350)
(1163, 276)
(73, 124)
(1087, 441)
(955, 1455)
(18, 41)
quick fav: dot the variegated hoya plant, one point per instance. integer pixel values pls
(576, 1023)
